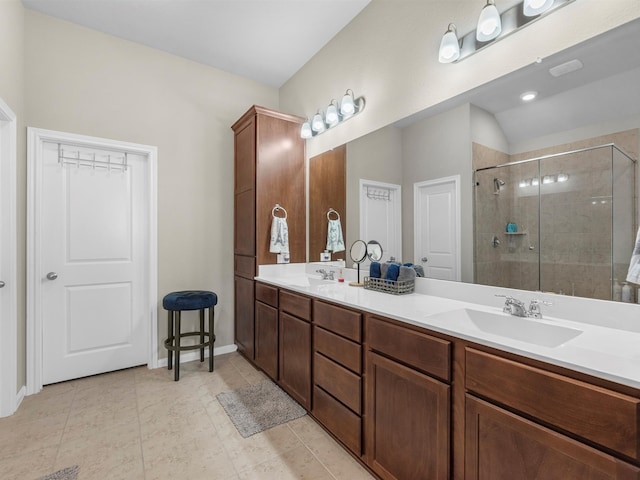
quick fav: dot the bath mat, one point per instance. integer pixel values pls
(69, 473)
(256, 408)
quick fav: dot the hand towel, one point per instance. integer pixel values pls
(634, 266)
(419, 270)
(335, 242)
(406, 274)
(383, 270)
(374, 270)
(393, 270)
(279, 236)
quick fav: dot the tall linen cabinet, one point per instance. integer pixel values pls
(269, 170)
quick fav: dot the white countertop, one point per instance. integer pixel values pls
(602, 351)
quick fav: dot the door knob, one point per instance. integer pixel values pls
(424, 259)
(52, 275)
(2, 284)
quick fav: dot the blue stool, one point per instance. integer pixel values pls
(175, 303)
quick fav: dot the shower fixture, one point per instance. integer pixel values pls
(497, 183)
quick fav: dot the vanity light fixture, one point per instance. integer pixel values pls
(493, 26)
(531, 8)
(305, 131)
(331, 117)
(489, 23)
(528, 96)
(563, 177)
(449, 46)
(317, 124)
(334, 115)
(548, 179)
(524, 183)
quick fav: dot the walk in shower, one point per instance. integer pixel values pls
(562, 223)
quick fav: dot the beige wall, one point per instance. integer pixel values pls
(377, 157)
(82, 81)
(11, 91)
(388, 53)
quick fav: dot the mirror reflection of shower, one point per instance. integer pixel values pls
(497, 183)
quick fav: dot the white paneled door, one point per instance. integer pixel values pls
(437, 227)
(94, 286)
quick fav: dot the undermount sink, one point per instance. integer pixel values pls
(509, 326)
(306, 280)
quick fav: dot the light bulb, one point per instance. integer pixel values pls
(531, 8)
(332, 115)
(317, 124)
(489, 23)
(528, 96)
(305, 130)
(347, 106)
(449, 46)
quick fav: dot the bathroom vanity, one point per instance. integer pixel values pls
(422, 386)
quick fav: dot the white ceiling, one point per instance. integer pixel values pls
(265, 40)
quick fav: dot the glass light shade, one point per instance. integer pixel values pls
(347, 105)
(524, 183)
(535, 182)
(449, 46)
(305, 131)
(489, 23)
(332, 115)
(532, 8)
(317, 124)
(548, 179)
(563, 177)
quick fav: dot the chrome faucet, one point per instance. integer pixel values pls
(516, 307)
(326, 275)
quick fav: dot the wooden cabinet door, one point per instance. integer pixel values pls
(266, 355)
(295, 358)
(244, 304)
(406, 422)
(500, 445)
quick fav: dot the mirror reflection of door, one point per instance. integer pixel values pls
(381, 216)
(437, 227)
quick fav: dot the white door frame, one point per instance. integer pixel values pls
(35, 139)
(455, 179)
(9, 399)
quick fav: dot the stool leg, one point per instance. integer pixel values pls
(170, 337)
(177, 344)
(212, 338)
(202, 334)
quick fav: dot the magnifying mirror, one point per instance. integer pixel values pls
(358, 253)
(374, 251)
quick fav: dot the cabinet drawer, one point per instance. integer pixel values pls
(345, 352)
(602, 416)
(338, 320)
(295, 305)
(267, 294)
(340, 421)
(429, 354)
(338, 381)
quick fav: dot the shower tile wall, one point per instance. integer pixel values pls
(576, 231)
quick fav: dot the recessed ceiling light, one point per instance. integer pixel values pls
(528, 96)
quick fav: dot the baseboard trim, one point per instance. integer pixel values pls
(195, 354)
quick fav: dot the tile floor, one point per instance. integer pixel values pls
(140, 424)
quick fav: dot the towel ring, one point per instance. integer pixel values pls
(331, 210)
(275, 209)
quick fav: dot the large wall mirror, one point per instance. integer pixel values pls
(578, 142)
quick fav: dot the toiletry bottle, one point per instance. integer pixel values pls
(617, 291)
(626, 292)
